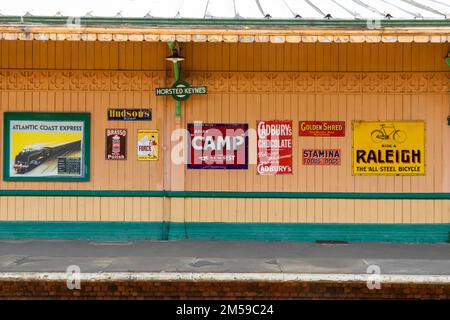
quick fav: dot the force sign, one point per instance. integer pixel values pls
(217, 146)
(147, 145)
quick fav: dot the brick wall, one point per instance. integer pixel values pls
(51, 289)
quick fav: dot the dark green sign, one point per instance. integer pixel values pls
(181, 90)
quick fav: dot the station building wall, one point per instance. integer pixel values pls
(246, 83)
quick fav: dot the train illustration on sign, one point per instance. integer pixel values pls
(34, 155)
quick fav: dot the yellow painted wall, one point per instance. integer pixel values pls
(246, 82)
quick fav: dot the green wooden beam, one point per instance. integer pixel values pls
(176, 75)
(222, 194)
(166, 230)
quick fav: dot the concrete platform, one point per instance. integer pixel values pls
(222, 269)
(223, 257)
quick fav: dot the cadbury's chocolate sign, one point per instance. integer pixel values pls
(322, 128)
(217, 146)
(274, 140)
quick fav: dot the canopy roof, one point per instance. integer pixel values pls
(232, 9)
(227, 20)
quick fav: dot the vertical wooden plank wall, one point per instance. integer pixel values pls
(247, 82)
(87, 77)
(392, 77)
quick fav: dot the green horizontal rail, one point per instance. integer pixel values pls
(217, 23)
(223, 194)
(159, 230)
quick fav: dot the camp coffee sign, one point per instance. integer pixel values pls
(388, 148)
(217, 146)
(274, 147)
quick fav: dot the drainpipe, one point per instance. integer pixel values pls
(176, 75)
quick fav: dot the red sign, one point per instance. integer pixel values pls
(321, 157)
(322, 128)
(116, 144)
(217, 146)
(274, 139)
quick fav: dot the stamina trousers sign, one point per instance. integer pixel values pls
(217, 146)
(274, 140)
(388, 147)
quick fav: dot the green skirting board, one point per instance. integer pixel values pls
(299, 232)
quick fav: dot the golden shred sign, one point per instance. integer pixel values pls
(388, 148)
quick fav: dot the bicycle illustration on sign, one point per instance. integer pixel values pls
(388, 132)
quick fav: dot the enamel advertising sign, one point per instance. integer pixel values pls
(217, 146)
(147, 145)
(388, 148)
(322, 128)
(274, 146)
(46, 146)
(129, 114)
(321, 157)
(116, 144)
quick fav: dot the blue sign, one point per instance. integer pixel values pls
(129, 114)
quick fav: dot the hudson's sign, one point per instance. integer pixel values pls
(217, 146)
(130, 114)
(322, 128)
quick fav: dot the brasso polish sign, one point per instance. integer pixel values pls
(274, 140)
(218, 146)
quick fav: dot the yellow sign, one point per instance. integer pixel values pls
(388, 148)
(147, 146)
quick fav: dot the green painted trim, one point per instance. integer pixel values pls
(310, 232)
(112, 231)
(43, 116)
(447, 61)
(82, 193)
(305, 195)
(185, 22)
(298, 232)
(223, 194)
(176, 75)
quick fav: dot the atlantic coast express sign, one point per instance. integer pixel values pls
(274, 140)
(388, 147)
(217, 146)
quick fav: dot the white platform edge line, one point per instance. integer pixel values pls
(208, 276)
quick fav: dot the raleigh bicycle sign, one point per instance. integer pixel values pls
(388, 147)
(181, 90)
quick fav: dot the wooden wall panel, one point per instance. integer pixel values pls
(318, 210)
(346, 107)
(246, 82)
(81, 209)
(114, 175)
